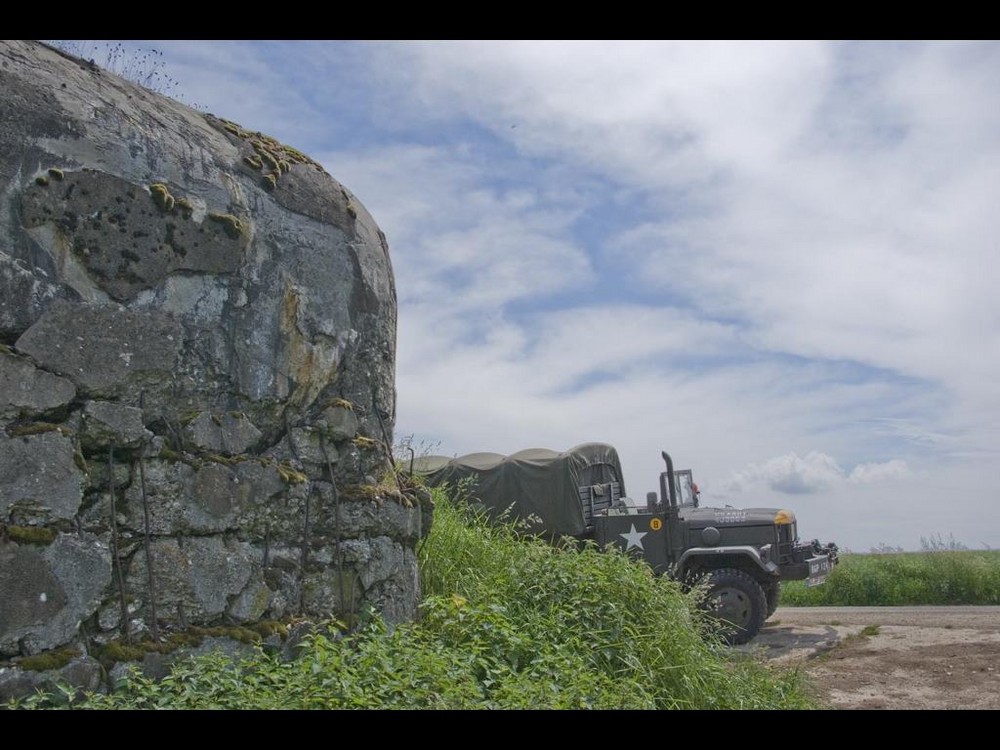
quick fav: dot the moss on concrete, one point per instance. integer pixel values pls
(162, 197)
(217, 458)
(185, 207)
(372, 492)
(118, 651)
(233, 226)
(291, 475)
(30, 534)
(38, 428)
(339, 403)
(168, 454)
(55, 659)
(268, 152)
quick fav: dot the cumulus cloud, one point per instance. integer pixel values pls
(724, 250)
(880, 472)
(792, 475)
(836, 198)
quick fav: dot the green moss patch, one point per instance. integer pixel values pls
(269, 152)
(291, 475)
(217, 458)
(56, 659)
(117, 651)
(339, 403)
(37, 428)
(168, 454)
(185, 207)
(30, 534)
(372, 492)
(233, 226)
(162, 197)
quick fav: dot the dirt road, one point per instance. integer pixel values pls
(891, 657)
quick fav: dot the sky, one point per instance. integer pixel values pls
(773, 260)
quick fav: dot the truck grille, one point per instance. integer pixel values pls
(786, 542)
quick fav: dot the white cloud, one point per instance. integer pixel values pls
(457, 239)
(837, 198)
(888, 471)
(725, 250)
(792, 475)
(645, 112)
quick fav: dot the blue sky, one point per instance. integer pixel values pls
(774, 260)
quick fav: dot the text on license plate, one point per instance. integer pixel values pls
(819, 569)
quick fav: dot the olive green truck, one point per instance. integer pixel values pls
(742, 553)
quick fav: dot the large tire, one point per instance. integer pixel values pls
(738, 602)
(772, 592)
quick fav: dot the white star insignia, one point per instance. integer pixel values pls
(633, 538)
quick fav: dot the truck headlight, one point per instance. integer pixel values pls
(783, 517)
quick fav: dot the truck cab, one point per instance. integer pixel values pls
(742, 553)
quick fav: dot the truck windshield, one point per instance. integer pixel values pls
(684, 483)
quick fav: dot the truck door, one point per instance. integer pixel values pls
(636, 532)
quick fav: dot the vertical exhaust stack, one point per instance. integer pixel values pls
(668, 497)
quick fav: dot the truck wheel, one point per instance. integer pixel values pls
(773, 594)
(738, 602)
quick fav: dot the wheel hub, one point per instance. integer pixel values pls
(733, 606)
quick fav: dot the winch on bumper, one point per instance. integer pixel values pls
(811, 562)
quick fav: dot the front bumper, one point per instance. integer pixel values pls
(811, 562)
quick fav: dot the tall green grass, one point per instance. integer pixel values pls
(566, 628)
(904, 578)
(506, 623)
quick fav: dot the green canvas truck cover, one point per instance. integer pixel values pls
(540, 486)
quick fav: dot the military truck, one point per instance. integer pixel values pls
(743, 554)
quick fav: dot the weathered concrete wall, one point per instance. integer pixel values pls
(197, 341)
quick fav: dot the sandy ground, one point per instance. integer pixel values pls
(891, 657)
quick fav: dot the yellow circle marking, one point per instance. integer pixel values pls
(656, 524)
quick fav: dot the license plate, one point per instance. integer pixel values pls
(819, 569)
